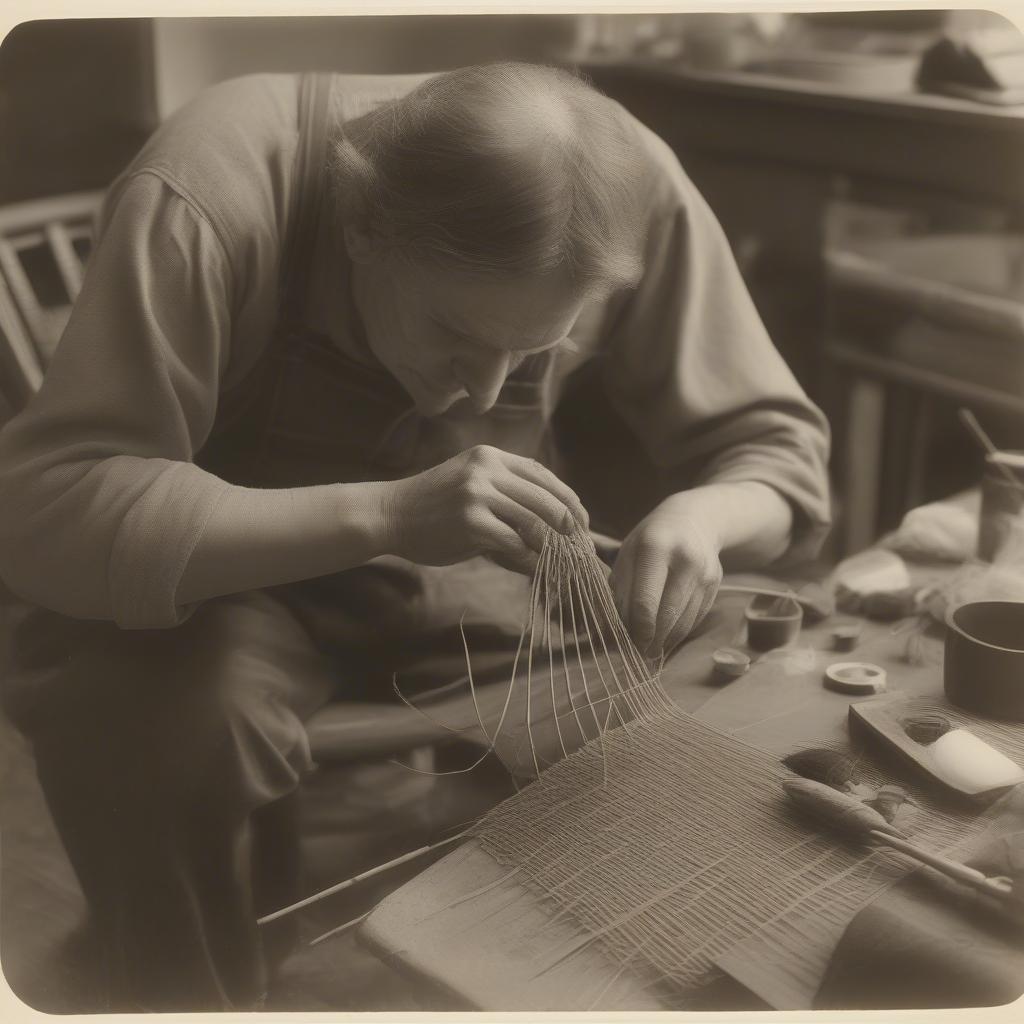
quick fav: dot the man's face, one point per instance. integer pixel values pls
(446, 337)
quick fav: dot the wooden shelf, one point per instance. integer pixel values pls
(897, 371)
(821, 95)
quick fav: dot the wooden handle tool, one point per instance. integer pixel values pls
(1000, 887)
(844, 812)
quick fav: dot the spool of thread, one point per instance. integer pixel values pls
(730, 663)
(860, 678)
(845, 636)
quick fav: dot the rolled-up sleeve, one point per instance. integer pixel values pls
(101, 504)
(691, 369)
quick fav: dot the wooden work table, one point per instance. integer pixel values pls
(497, 951)
(772, 156)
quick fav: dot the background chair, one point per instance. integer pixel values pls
(44, 244)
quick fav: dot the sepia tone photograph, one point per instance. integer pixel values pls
(513, 512)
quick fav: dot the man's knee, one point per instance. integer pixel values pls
(169, 715)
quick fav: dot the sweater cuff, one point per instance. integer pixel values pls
(154, 543)
(808, 498)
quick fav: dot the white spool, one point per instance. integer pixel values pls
(860, 678)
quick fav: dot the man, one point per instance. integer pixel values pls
(328, 320)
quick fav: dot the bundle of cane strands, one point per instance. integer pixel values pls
(665, 842)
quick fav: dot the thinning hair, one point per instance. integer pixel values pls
(500, 168)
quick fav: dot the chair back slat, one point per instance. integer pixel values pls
(68, 263)
(41, 274)
(20, 366)
(21, 289)
(34, 213)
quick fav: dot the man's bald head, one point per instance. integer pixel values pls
(508, 168)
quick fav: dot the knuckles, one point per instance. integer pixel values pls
(474, 489)
(711, 576)
(481, 456)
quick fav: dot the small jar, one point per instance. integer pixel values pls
(1002, 503)
(772, 622)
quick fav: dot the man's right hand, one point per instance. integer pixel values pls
(483, 501)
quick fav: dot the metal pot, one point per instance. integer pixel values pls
(984, 658)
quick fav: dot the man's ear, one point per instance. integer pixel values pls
(359, 244)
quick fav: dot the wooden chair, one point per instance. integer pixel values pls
(44, 244)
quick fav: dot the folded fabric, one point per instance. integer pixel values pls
(942, 530)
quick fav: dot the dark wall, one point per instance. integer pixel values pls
(76, 102)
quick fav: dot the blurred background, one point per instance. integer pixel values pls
(867, 168)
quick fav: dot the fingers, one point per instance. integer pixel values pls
(662, 594)
(688, 598)
(532, 509)
(679, 607)
(647, 569)
(505, 547)
(687, 620)
(542, 478)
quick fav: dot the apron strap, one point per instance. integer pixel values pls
(307, 194)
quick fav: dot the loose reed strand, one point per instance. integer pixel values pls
(348, 925)
(565, 661)
(430, 718)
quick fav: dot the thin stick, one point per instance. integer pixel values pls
(970, 421)
(961, 872)
(349, 882)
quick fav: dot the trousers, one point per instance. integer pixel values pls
(170, 759)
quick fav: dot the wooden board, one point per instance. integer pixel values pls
(881, 719)
(498, 950)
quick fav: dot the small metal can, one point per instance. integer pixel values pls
(1002, 503)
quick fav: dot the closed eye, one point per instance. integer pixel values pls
(518, 355)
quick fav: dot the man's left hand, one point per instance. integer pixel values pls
(667, 573)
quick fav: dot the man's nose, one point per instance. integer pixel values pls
(483, 377)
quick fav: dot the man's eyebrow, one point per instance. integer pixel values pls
(565, 341)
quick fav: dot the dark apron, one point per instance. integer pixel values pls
(308, 413)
